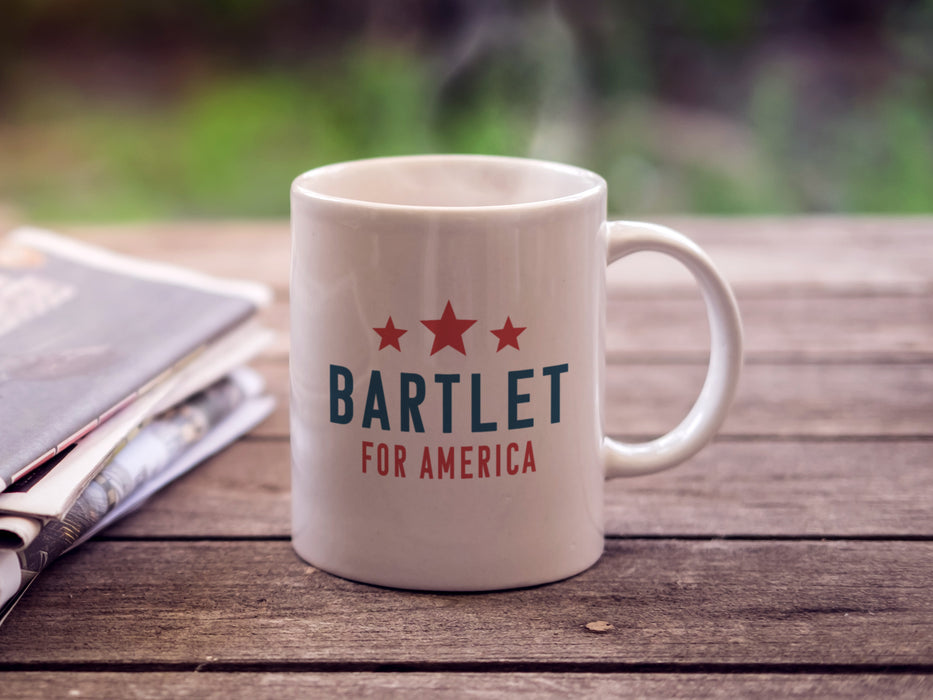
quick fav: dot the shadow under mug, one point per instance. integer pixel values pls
(448, 369)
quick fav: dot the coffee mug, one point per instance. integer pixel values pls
(447, 369)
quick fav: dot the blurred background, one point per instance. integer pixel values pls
(170, 109)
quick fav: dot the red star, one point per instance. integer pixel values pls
(390, 335)
(508, 334)
(448, 330)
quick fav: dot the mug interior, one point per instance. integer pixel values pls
(449, 181)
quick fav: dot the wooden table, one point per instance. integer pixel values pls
(793, 555)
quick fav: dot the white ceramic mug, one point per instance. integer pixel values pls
(447, 369)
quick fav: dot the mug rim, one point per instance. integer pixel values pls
(591, 183)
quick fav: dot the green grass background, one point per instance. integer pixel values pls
(227, 141)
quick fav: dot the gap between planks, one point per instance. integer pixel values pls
(599, 667)
(631, 537)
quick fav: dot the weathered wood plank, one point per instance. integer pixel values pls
(798, 329)
(669, 602)
(757, 488)
(257, 250)
(825, 254)
(812, 400)
(791, 329)
(772, 399)
(819, 254)
(792, 489)
(667, 686)
(242, 492)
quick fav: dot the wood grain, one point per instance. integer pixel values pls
(736, 489)
(665, 686)
(784, 329)
(669, 602)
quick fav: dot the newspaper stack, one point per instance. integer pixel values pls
(117, 375)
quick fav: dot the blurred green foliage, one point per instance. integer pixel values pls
(684, 107)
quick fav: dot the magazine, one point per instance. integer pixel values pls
(85, 333)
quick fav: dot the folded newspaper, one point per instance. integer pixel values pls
(163, 450)
(84, 332)
(116, 376)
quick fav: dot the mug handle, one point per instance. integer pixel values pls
(725, 360)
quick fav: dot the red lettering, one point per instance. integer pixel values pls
(366, 456)
(382, 459)
(465, 462)
(483, 465)
(529, 464)
(426, 468)
(513, 447)
(445, 463)
(475, 461)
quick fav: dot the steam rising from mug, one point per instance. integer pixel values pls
(541, 41)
